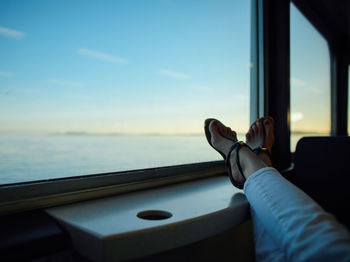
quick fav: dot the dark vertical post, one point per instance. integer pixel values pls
(276, 21)
(339, 87)
(254, 62)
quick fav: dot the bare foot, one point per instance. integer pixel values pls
(232, 135)
(222, 139)
(261, 135)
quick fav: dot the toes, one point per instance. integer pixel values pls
(213, 127)
(227, 131)
(269, 118)
(234, 134)
(255, 129)
(251, 131)
(217, 127)
(214, 130)
(269, 125)
(260, 128)
(207, 121)
(259, 120)
(269, 128)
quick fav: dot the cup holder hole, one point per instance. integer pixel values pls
(154, 215)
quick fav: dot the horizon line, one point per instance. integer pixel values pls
(84, 133)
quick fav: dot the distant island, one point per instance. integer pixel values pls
(82, 133)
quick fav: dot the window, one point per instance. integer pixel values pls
(310, 80)
(89, 87)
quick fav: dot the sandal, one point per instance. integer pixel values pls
(235, 147)
(263, 148)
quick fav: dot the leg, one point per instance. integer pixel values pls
(295, 223)
(265, 247)
(261, 135)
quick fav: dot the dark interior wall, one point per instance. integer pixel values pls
(36, 237)
(233, 245)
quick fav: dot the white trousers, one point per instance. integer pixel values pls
(289, 226)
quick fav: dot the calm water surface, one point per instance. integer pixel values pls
(24, 158)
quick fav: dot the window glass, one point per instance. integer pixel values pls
(310, 80)
(89, 87)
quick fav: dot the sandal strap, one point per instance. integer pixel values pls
(260, 149)
(236, 146)
(227, 137)
(208, 136)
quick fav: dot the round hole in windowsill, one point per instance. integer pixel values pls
(154, 215)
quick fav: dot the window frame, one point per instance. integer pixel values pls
(330, 94)
(338, 44)
(270, 90)
(46, 193)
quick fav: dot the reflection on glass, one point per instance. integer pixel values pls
(310, 80)
(100, 86)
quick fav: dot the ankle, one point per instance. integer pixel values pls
(250, 162)
(265, 157)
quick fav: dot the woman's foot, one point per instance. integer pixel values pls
(260, 138)
(227, 133)
(222, 139)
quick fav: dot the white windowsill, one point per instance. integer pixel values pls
(108, 229)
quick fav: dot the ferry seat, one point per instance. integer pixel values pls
(322, 170)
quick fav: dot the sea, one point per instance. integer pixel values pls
(32, 158)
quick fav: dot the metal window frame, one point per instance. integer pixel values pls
(46, 193)
(340, 61)
(270, 72)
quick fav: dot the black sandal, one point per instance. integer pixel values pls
(236, 146)
(262, 148)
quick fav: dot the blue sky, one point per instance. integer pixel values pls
(156, 66)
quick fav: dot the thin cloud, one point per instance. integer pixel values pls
(315, 90)
(4, 31)
(297, 116)
(65, 83)
(241, 97)
(173, 74)
(297, 82)
(200, 87)
(168, 2)
(6, 74)
(101, 56)
(9, 90)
